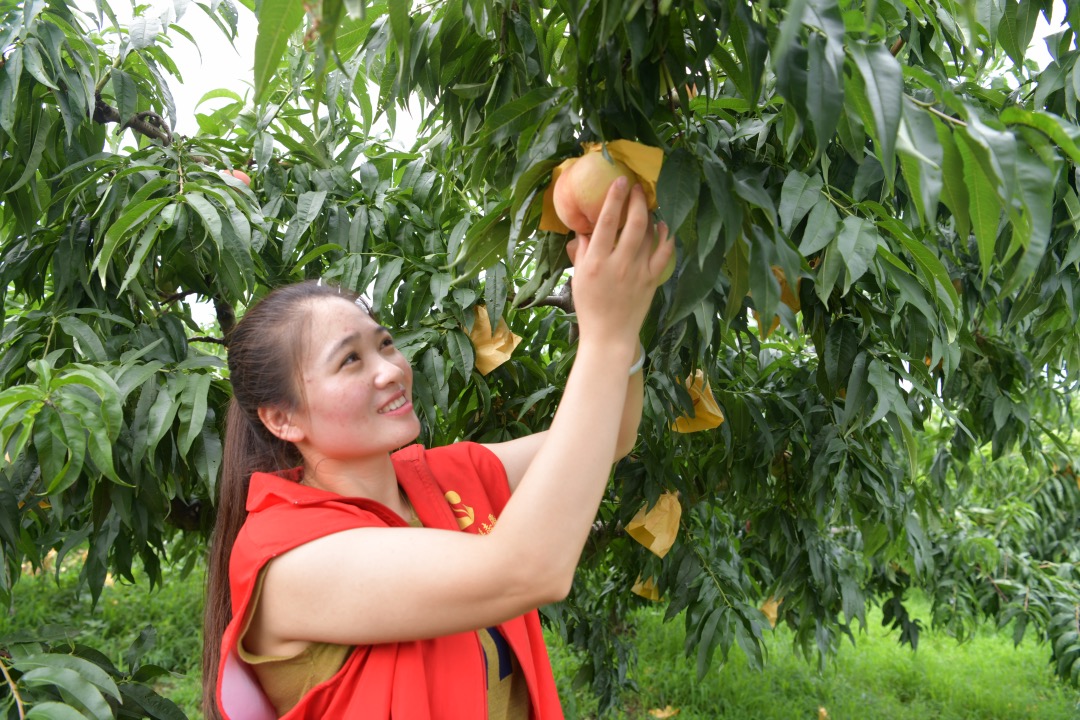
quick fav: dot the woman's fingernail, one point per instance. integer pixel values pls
(620, 182)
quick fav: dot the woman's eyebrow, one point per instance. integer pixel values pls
(349, 339)
(341, 344)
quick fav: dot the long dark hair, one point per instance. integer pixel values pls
(264, 349)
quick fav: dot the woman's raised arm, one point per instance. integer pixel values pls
(376, 585)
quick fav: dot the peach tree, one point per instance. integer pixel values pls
(877, 289)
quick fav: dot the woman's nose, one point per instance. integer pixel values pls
(388, 372)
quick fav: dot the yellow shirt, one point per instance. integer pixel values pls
(508, 696)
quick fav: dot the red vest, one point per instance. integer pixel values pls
(457, 487)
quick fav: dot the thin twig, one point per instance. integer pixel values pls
(944, 116)
(14, 689)
(177, 296)
(207, 339)
(897, 46)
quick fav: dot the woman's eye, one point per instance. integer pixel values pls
(388, 342)
(350, 358)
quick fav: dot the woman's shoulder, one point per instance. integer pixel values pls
(283, 514)
(458, 455)
(459, 470)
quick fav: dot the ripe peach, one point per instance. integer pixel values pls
(580, 190)
(239, 175)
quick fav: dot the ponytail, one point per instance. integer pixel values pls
(264, 348)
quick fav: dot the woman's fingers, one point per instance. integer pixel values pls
(573, 247)
(662, 249)
(607, 224)
(638, 226)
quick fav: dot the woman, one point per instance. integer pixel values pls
(350, 579)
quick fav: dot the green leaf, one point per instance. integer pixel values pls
(41, 135)
(193, 410)
(1064, 134)
(1017, 28)
(820, 227)
(1035, 181)
(984, 204)
(278, 19)
(800, 194)
(707, 642)
(696, 282)
(496, 289)
(857, 389)
(143, 32)
(50, 445)
(86, 340)
(936, 276)
(789, 29)
(126, 93)
(399, 29)
(76, 439)
(308, 207)
(737, 268)
(954, 187)
(142, 250)
(209, 213)
(53, 711)
(156, 706)
(101, 440)
(162, 412)
(86, 669)
(461, 352)
(83, 692)
(514, 116)
(857, 243)
(841, 347)
(884, 384)
(10, 76)
(883, 81)
(485, 242)
(825, 102)
(921, 157)
(208, 458)
(35, 64)
(677, 188)
(389, 273)
(129, 222)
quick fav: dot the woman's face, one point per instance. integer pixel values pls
(356, 387)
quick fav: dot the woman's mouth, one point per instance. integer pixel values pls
(398, 402)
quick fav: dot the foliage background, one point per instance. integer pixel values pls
(909, 174)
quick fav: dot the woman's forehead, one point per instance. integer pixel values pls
(330, 312)
(333, 320)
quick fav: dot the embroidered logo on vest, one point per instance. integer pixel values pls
(463, 513)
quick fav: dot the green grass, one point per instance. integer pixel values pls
(984, 679)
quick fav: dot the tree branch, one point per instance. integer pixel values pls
(145, 123)
(897, 46)
(226, 317)
(207, 339)
(564, 300)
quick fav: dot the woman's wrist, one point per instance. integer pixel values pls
(640, 362)
(610, 353)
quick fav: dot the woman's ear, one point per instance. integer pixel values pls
(279, 423)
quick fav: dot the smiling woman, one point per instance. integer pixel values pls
(335, 588)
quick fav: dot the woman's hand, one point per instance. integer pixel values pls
(616, 272)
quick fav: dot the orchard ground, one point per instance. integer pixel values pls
(985, 678)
